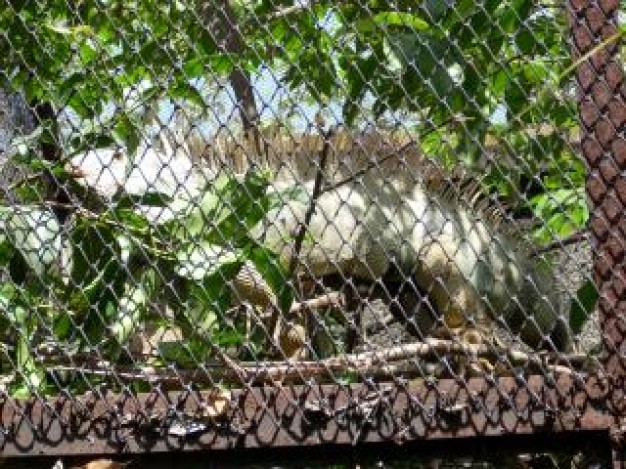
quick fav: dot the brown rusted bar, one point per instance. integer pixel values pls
(602, 107)
(296, 416)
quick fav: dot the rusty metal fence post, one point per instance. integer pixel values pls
(602, 106)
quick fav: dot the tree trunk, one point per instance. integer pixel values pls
(44, 116)
(16, 120)
(220, 20)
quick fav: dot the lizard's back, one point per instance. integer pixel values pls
(470, 269)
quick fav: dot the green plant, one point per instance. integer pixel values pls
(97, 282)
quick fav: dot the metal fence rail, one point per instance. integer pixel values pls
(266, 225)
(602, 114)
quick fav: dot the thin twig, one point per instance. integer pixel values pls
(294, 9)
(574, 238)
(37, 175)
(290, 10)
(384, 361)
(230, 364)
(331, 299)
(566, 73)
(317, 192)
(299, 239)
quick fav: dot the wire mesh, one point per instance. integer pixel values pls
(309, 221)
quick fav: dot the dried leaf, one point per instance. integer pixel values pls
(103, 464)
(216, 404)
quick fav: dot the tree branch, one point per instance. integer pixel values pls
(386, 361)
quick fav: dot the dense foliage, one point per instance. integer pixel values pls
(495, 99)
(500, 92)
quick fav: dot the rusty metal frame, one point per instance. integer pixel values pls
(398, 412)
(601, 89)
(297, 416)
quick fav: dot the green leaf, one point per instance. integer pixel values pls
(499, 83)
(220, 64)
(125, 130)
(203, 317)
(582, 305)
(6, 252)
(32, 374)
(91, 139)
(244, 203)
(97, 276)
(527, 41)
(132, 307)
(398, 18)
(63, 326)
(230, 338)
(227, 210)
(194, 67)
(188, 93)
(546, 203)
(22, 322)
(18, 317)
(536, 72)
(66, 30)
(194, 222)
(87, 53)
(268, 265)
(129, 218)
(199, 260)
(8, 294)
(204, 313)
(28, 371)
(177, 352)
(94, 247)
(436, 9)
(513, 13)
(35, 233)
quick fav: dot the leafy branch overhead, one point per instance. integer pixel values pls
(496, 87)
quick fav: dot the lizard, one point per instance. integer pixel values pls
(421, 233)
(450, 246)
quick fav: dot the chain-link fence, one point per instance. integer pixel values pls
(267, 224)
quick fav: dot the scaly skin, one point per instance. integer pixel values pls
(472, 272)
